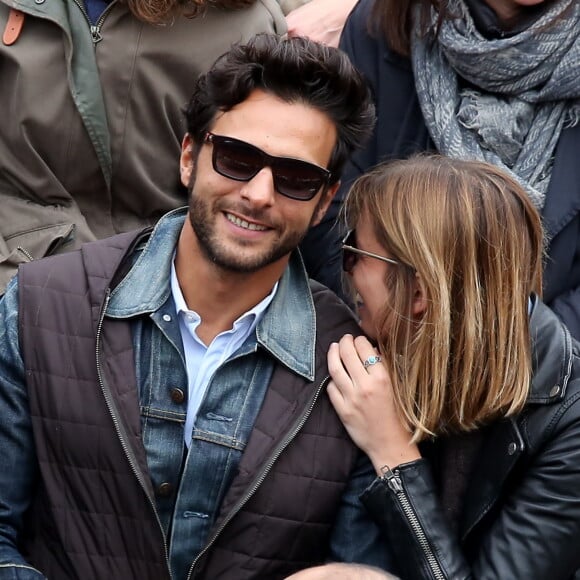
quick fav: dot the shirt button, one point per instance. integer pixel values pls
(164, 490)
(512, 448)
(167, 318)
(177, 396)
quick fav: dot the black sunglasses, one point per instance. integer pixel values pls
(241, 161)
(351, 254)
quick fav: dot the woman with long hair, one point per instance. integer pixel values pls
(494, 80)
(466, 398)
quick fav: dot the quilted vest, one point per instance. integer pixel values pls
(93, 514)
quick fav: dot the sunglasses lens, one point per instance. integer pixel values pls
(349, 258)
(236, 160)
(297, 179)
(241, 161)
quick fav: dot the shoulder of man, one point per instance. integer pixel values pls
(333, 317)
(96, 265)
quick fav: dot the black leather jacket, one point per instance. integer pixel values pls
(521, 511)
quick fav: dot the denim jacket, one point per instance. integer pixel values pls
(187, 499)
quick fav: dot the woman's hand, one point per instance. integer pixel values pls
(320, 20)
(363, 399)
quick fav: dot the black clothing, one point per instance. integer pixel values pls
(520, 515)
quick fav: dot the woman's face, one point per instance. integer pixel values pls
(509, 9)
(368, 276)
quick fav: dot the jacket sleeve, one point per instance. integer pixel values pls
(534, 535)
(406, 508)
(18, 470)
(355, 536)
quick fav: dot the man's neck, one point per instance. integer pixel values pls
(219, 296)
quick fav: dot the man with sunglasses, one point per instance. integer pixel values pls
(163, 393)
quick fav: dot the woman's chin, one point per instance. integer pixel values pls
(365, 321)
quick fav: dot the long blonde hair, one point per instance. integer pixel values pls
(467, 233)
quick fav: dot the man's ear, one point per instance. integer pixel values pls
(186, 160)
(419, 305)
(323, 204)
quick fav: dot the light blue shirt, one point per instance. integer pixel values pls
(201, 361)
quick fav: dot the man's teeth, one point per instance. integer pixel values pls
(244, 224)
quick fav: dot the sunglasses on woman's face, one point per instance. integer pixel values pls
(351, 254)
(241, 161)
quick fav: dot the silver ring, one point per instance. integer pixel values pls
(372, 360)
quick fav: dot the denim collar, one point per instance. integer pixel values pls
(287, 330)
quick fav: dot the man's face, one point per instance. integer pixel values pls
(246, 226)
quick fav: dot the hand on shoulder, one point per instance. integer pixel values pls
(362, 395)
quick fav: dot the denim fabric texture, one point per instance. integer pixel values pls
(201, 361)
(18, 467)
(190, 484)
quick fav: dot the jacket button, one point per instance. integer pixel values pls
(177, 396)
(555, 391)
(512, 448)
(164, 490)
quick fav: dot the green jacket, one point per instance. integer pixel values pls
(92, 118)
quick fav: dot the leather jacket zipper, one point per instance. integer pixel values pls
(110, 406)
(394, 483)
(262, 475)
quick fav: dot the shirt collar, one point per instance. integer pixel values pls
(287, 328)
(250, 318)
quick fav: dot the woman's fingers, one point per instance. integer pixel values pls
(353, 353)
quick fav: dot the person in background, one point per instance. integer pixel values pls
(466, 395)
(342, 572)
(320, 20)
(495, 80)
(163, 393)
(92, 98)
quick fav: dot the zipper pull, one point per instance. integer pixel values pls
(392, 479)
(96, 34)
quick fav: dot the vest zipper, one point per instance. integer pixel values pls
(394, 483)
(124, 445)
(262, 475)
(95, 28)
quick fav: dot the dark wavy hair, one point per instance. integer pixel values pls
(294, 70)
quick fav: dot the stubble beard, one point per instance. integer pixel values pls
(203, 217)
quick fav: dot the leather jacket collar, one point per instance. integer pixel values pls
(552, 356)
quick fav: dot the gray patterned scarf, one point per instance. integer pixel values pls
(521, 91)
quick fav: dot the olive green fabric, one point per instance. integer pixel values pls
(91, 132)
